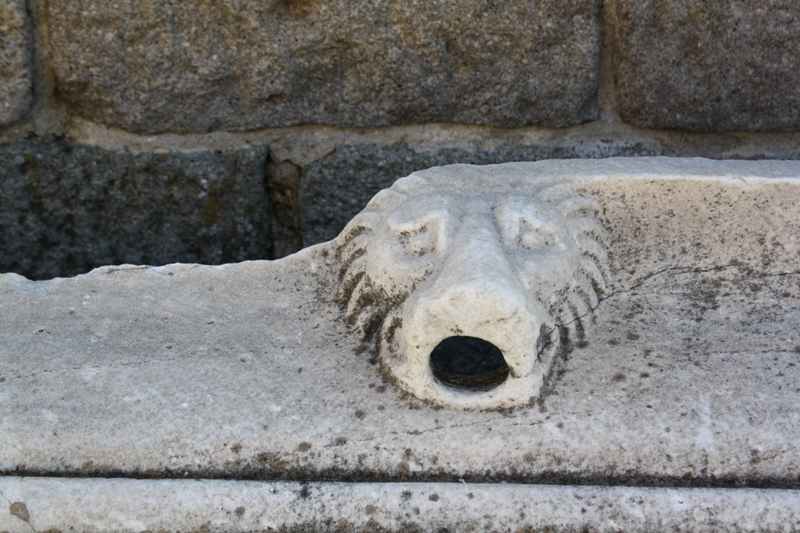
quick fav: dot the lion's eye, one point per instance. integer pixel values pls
(418, 241)
(534, 234)
(522, 227)
(421, 229)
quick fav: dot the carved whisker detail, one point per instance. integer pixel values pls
(578, 307)
(356, 267)
(586, 226)
(593, 248)
(566, 318)
(367, 321)
(591, 269)
(586, 292)
(359, 296)
(350, 252)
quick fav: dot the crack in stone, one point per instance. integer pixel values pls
(444, 427)
(665, 271)
(696, 271)
(748, 352)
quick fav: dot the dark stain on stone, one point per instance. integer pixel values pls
(19, 510)
(295, 8)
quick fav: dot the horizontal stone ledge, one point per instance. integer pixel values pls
(240, 65)
(133, 506)
(685, 369)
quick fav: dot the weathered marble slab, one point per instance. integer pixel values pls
(686, 374)
(134, 506)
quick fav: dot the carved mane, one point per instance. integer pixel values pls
(374, 312)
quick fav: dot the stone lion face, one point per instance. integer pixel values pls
(462, 252)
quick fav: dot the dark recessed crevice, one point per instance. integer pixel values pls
(468, 363)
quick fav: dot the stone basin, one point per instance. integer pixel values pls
(676, 405)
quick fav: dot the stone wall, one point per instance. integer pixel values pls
(224, 130)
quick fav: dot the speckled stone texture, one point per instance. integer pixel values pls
(16, 43)
(686, 374)
(681, 389)
(66, 208)
(221, 506)
(708, 66)
(335, 188)
(152, 66)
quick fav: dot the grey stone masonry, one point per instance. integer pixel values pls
(708, 66)
(153, 66)
(16, 41)
(66, 208)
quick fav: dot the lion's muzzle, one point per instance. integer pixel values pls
(477, 295)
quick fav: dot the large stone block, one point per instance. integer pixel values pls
(335, 188)
(16, 41)
(69, 208)
(686, 374)
(152, 66)
(708, 66)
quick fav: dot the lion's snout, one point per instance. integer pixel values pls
(473, 330)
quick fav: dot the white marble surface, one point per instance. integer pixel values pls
(689, 372)
(133, 506)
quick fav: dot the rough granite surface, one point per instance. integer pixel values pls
(333, 189)
(16, 51)
(67, 208)
(155, 66)
(686, 374)
(708, 66)
(133, 506)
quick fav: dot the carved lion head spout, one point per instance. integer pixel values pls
(461, 259)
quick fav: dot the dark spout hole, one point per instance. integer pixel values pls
(468, 363)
